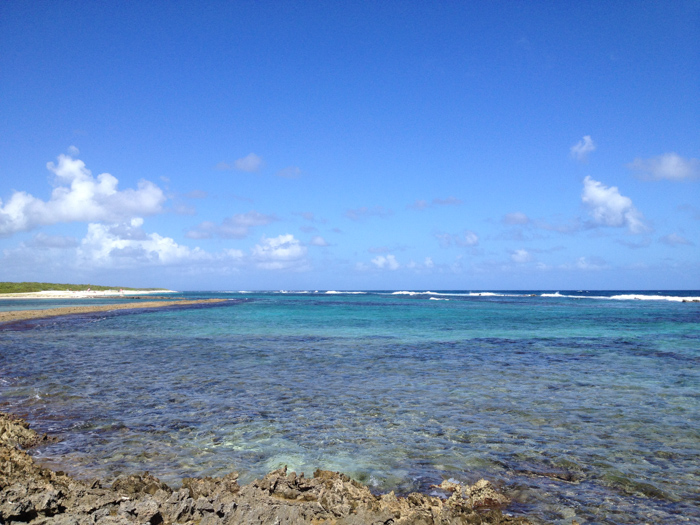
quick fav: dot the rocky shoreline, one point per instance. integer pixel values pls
(24, 315)
(32, 494)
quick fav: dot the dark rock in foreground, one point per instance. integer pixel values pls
(32, 494)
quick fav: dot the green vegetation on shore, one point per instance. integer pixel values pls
(7, 287)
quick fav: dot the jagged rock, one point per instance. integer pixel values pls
(135, 483)
(15, 432)
(32, 494)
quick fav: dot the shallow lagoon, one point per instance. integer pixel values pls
(582, 407)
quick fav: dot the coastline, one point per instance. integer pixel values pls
(30, 493)
(82, 294)
(13, 316)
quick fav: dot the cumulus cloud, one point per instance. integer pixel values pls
(674, 239)
(250, 163)
(236, 227)
(582, 148)
(669, 166)
(515, 218)
(280, 253)
(128, 245)
(365, 212)
(387, 262)
(79, 197)
(609, 208)
(521, 256)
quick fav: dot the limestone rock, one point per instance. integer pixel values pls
(32, 494)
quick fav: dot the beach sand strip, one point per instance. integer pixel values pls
(24, 315)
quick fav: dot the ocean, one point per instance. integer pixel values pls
(579, 405)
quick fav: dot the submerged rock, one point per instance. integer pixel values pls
(32, 494)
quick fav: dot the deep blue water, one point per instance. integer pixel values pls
(582, 405)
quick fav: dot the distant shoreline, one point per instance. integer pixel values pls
(79, 294)
(25, 315)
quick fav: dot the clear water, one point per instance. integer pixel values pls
(399, 391)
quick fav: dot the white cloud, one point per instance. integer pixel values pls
(290, 172)
(669, 166)
(515, 218)
(249, 163)
(127, 245)
(280, 253)
(521, 256)
(609, 208)
(389, 262)
(236, 227)
(79, 197)
(582, 148)
(73, 151)
(674, 239)
(428, 263)
(317, 240)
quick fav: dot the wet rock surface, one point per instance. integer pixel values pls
(32, 494)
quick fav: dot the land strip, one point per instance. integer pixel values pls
(24, 315)
(34, 287)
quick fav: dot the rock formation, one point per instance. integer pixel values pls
(32, 494)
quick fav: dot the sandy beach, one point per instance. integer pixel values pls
(82, 294)
(23, 315)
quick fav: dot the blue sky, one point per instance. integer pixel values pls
(351, 145)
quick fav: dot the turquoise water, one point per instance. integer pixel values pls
(581, 405)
